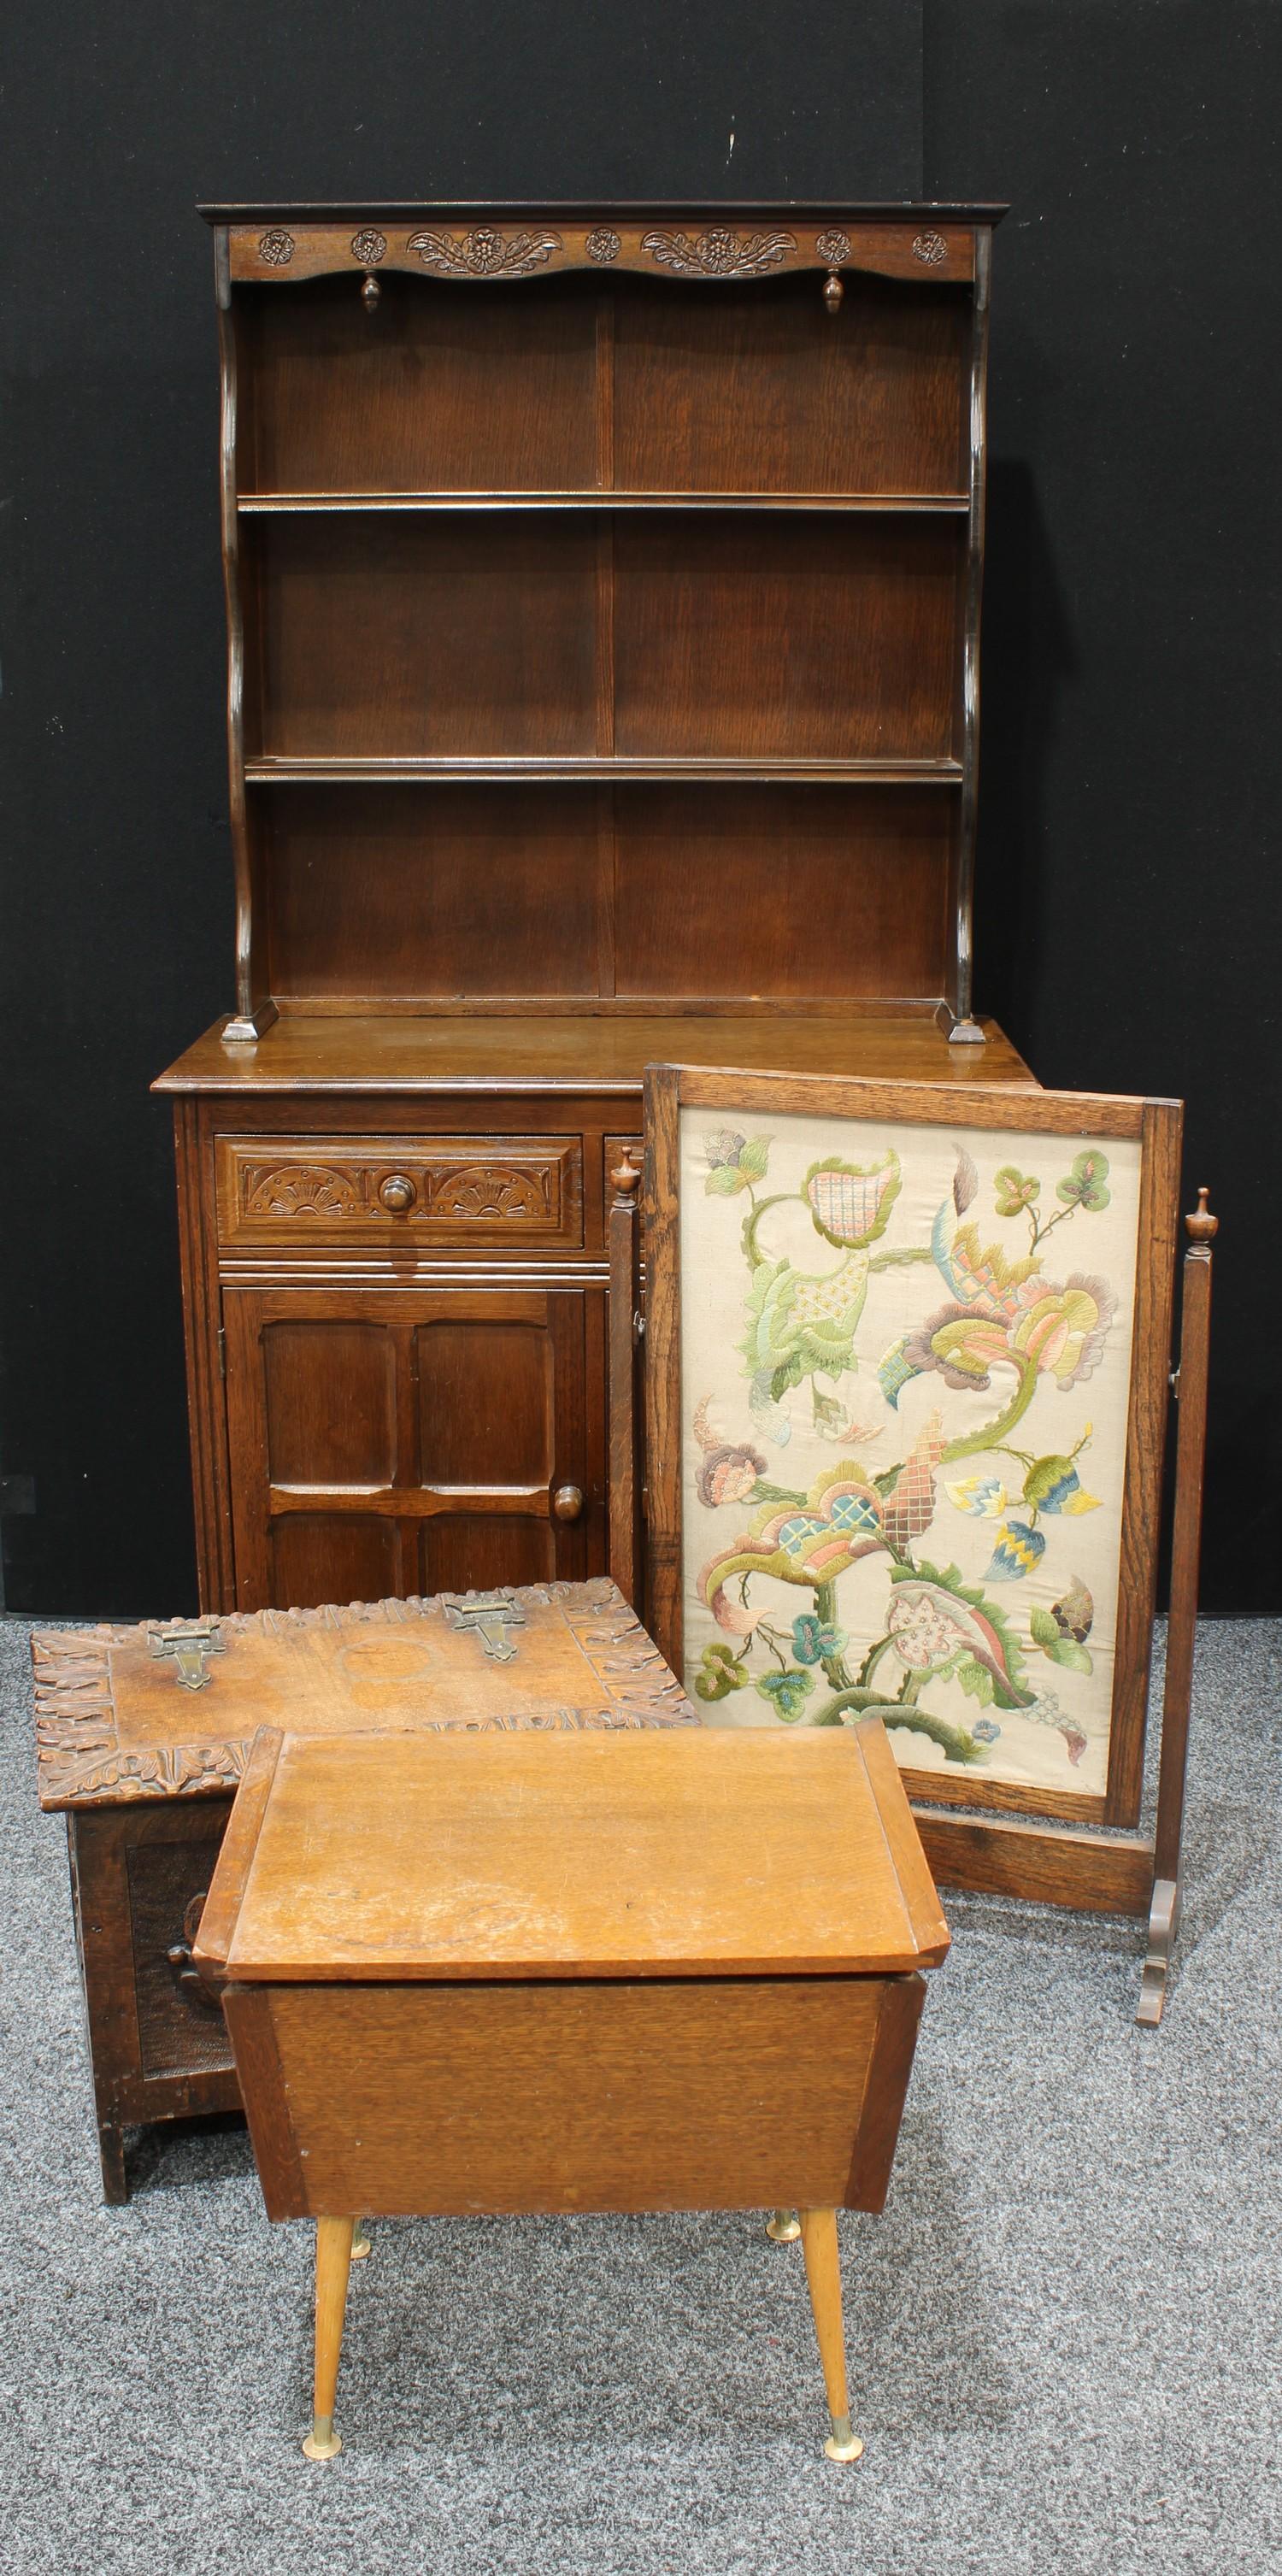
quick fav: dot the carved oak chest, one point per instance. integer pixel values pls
(143, 1733)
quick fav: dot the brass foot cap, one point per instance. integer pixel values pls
(842, 2444)
(784, 2227)
(361, 2246)
(322, 2446)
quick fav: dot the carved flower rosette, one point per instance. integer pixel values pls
(484, 252)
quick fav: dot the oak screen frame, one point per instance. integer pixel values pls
(1156, 1125)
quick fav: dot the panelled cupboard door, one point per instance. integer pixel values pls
(401, 1442)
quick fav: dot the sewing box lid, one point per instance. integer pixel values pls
(170, 1709)
(410, 1858)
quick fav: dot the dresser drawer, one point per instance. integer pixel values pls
(457, 1190)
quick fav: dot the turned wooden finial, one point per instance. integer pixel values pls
(1201, 1228)
(833, 292)
(627, 1178)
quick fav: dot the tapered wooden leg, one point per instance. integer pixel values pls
(784, 2225)
(823, 2273)
(333, 2263)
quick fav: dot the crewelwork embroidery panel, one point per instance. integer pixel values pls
(905, 1367)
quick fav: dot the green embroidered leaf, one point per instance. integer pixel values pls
(1013, 1190)
(763, 1493)
(976, 1680)
(754, 1157)
(726, 1179)
(786, 1692)
(1085, 1183)
(1067, 1651)
(722, 1673)
(1043, 1629)
(789, 1374)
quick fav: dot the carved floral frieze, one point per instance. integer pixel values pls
(303, 1190)
(486, 1191)
(719, 252)
(484, 252)
(495, 251)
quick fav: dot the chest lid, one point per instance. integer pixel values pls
(687, 1853)
(170, 1709)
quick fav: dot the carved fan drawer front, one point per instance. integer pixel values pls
(458, 1190)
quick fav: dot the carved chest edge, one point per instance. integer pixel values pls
(83, 1764)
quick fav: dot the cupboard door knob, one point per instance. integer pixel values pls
(397, 1193)
(567, 1502)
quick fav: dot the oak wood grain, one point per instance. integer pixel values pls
(717, 2093)
(475, 1856)
(608, 1055)
(1102, 1874)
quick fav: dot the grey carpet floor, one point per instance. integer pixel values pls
(1064, 2331)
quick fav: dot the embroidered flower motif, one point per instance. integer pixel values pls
(815, 1640)
(798, 1323)
(1060, 1633)
(1013, 1191)
(851, 1202)
(984, 1497)
(1053, 1485)
(721, 1671)
(834, 1421)
(937, 1624)
(734, 1162)
(1085, 1183)
(787, 1692)
(1061, 1330)
(983, 1276)
(985, 1730)
(1074, 1616)
(728, 1474)
(808, 1543)
(1019, 1548)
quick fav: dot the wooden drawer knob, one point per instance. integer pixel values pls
(567, 1502)
(397, 1193)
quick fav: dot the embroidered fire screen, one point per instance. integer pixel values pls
(919, 1415)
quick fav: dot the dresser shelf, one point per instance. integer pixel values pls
(336, 768)
(638, 551)
(265, 504)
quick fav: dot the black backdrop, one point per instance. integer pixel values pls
(1128, 924)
